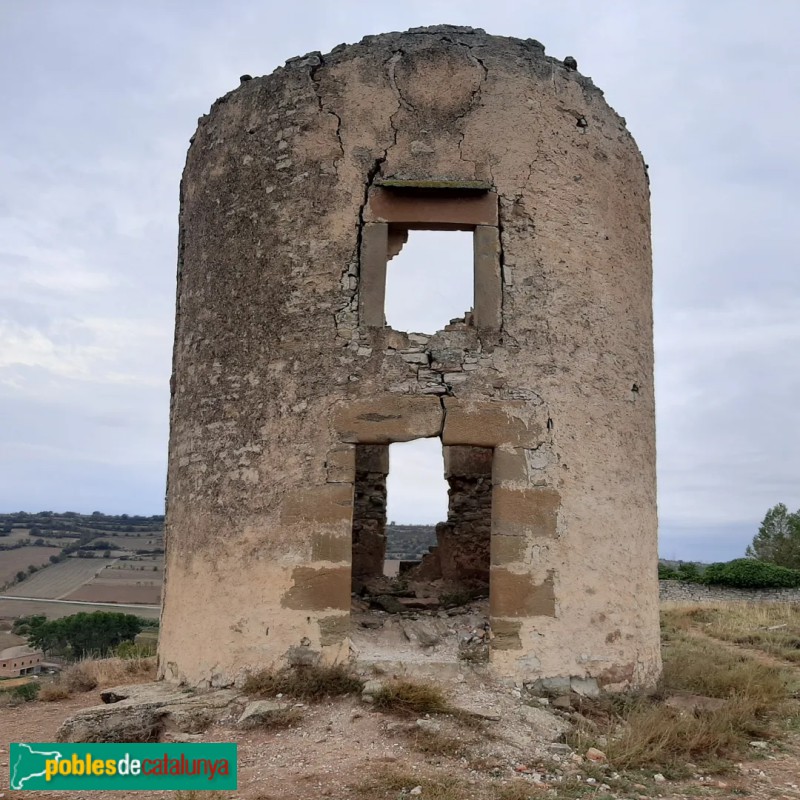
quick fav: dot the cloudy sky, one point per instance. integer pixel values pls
(99, 100)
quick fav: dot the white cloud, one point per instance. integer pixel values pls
(99, 102)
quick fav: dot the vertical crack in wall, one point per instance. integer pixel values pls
(475, 99)
(315, 65)
(392, 64)
(315, 83)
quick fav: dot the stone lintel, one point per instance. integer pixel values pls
(487, 424)
(436, 184)
(459, 211)
(389, 418)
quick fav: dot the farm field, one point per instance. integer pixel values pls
(59, 579)
(154, 565)
(55, 609)
(134, 543)
(12, 561)
(21, 535)
(117, 592)
(123, 582)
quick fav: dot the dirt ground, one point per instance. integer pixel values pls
(339, 747)
(499, 748)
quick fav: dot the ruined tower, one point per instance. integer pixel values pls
(299, 187)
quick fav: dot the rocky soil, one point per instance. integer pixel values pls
(500, 747)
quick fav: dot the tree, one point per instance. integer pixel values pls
(86, 633)
(22, 626)
(778, 538)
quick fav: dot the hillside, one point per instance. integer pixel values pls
(54, 563)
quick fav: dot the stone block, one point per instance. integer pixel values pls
(372, 458)
(509, 466)
(487, 277)
(467, 461)
(389, 418)
(260, 713)
(507, 549)
(374, 249)
(318, 589)
(488, 424)
(516, 595)
(525, 512)
(340, 464)
(330, 547)
(505, 634)
(446, 210)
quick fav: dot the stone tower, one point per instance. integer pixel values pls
(299, 187)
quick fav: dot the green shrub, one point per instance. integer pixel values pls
(748, 573)
(128, 650)
(26, 692)
(688, 572)
(666, 573)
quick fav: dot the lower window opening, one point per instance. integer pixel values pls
(420, 558)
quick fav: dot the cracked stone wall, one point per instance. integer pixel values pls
(282, 367)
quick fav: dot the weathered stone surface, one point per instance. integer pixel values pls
(389, 418)
(143, 712)
(260, 713)
(369, 513)
(137, 725)
(518, 595)
(298, 187)
(548, 727)
(525, 512)
(489, 424)
(318, 588)
(463, 541)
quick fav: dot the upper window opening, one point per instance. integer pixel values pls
(430, 281)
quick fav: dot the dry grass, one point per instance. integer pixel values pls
(389, 783)
(642, 733)
(700, 666)
(773, 628)
(406, 698)
(392, 782)
(437, 743)
(304, 683)
(97, 673)
(53, 692)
